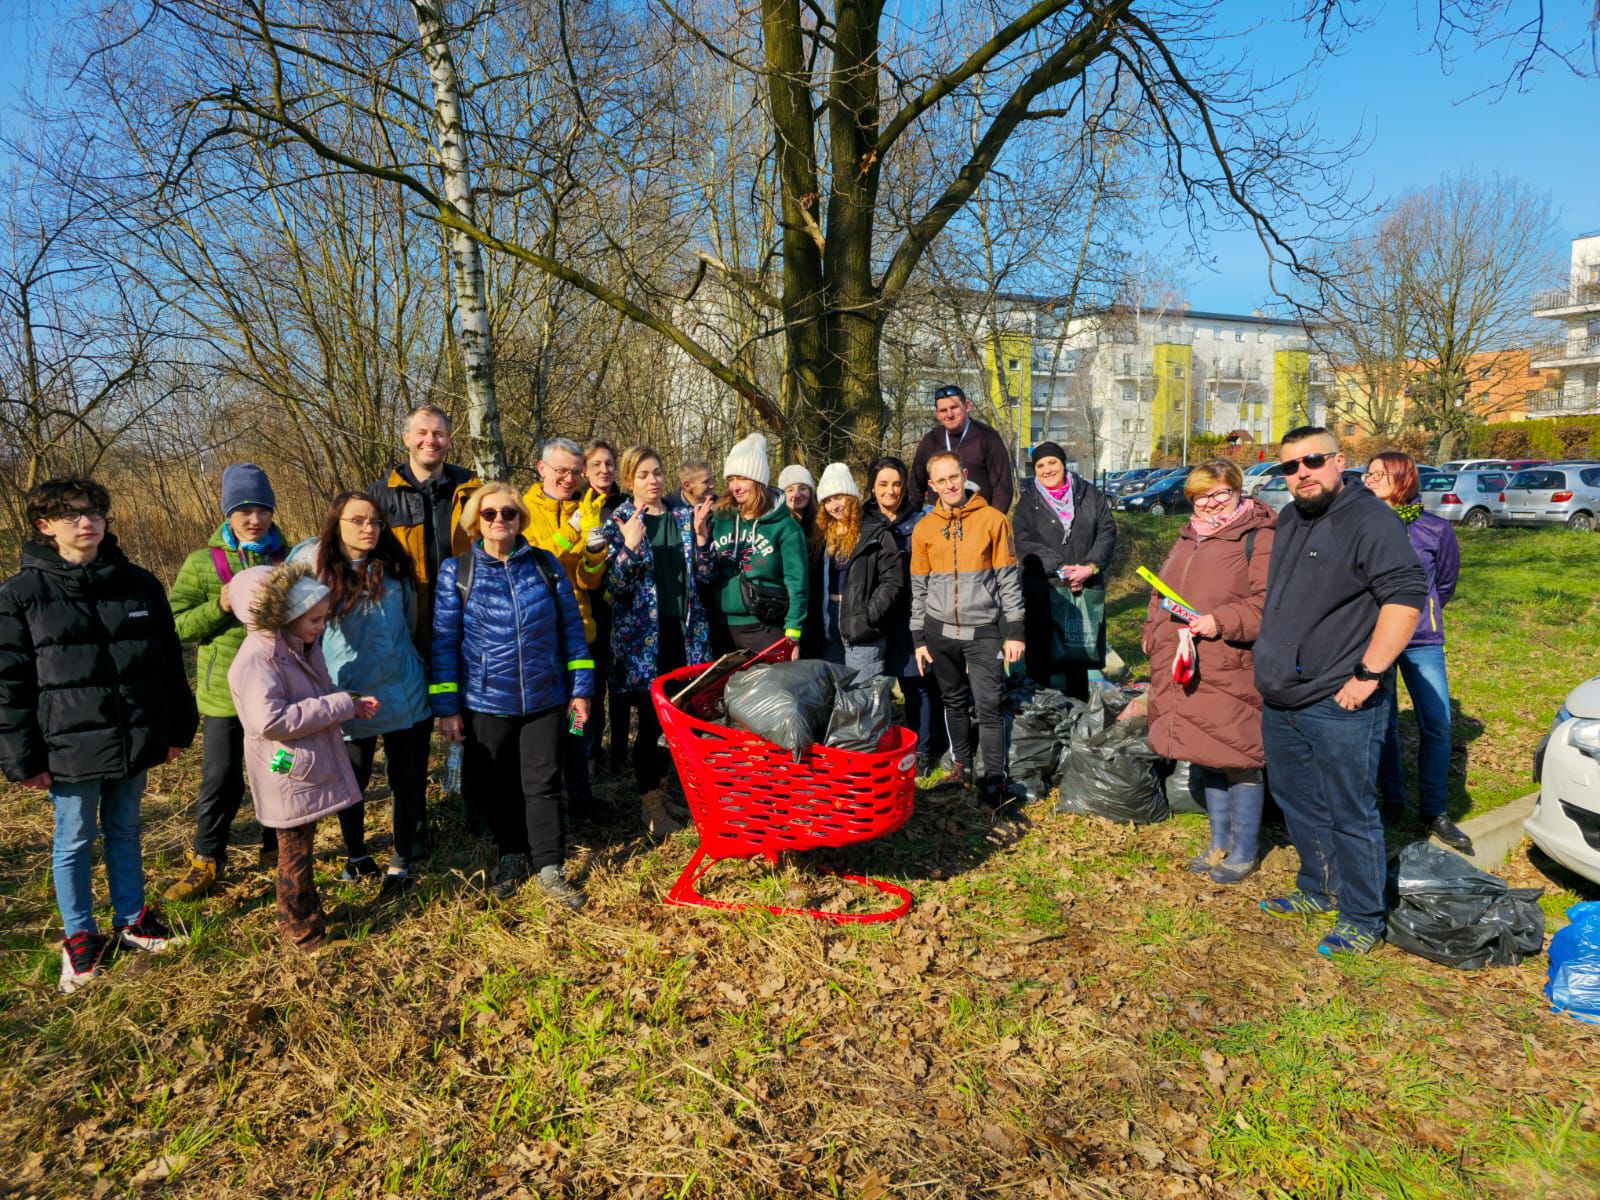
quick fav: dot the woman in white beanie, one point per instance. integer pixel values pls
(760, 554)
(294, 749)
(859, 573)
(800, 494)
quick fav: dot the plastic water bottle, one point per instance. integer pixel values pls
(452, 770)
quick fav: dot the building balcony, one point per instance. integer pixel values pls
(1579, 297)
(1570, 401)
(1566, 352)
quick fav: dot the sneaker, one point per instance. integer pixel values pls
(81, 956)
(513, 870)
(361, 867)
(1346, 941)
(1297, 904)
(200, 881)
(554, 884)
(396, 886)
(959, 776)
(658, 823)
(1231, 872)
(148, 932)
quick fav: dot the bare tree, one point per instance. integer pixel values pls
(1367, 321)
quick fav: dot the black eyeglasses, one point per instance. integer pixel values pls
(492, 515)
(1311, 462)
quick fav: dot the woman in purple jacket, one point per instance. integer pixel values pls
(1392, 477)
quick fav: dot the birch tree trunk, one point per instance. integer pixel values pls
(466, 254)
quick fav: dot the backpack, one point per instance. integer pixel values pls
(466, 566)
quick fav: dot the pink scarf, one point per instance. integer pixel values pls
(1205, 527)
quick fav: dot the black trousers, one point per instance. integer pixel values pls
(221, 788)
(972, 676)
(651, 761)
(752, 637)
(406, 752)
(512, 773)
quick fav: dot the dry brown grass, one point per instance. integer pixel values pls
(1072, 1015)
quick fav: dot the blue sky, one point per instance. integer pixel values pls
(1420, 124)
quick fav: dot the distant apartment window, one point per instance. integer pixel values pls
(1216, 335)
(1127, 393)
(1483, 372)
(1127, 424)
(1177, 372)
(1011, 364)
(1238, 335)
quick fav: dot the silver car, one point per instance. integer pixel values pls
(1567, 496)
(1470, 498)
(1274, 493)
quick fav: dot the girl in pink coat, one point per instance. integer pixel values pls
(294, 750)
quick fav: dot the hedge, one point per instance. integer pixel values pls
(1555, 437)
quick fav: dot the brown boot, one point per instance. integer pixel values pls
(200, 881)
(658, 823)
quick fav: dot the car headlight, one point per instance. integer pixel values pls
(1585, 735)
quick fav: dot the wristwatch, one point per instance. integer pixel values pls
(1365, 675)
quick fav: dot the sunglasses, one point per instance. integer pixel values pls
(946, 392)
(1311, 462)
(491, 515)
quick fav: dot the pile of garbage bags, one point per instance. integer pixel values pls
(1445, 909)
(799, 704)
(1100, 766)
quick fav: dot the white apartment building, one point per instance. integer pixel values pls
(1576, 351)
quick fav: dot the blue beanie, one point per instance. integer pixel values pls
(244, 484)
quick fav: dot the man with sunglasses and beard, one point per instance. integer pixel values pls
(1344, 591)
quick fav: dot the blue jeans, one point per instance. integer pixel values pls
(115, 802)
(1422, 667)
(1322, 762)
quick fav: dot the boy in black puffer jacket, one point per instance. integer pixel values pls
(92, 695)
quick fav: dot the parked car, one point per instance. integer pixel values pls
(1567, 496)
(1522, 464)
(1565, 823)
(1258, 474)
(1274, 493)
(1164, 496)
(1354, 476)
(1470, 498)
(1132, 481)
(1471, 464)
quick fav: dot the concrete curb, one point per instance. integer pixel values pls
(1496, 833)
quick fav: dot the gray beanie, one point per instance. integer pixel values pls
(244, 484)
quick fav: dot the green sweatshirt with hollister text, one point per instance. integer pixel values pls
(770, 550)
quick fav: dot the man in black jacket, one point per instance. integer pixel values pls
(93, 694)
(980, 448)
(1344, 590)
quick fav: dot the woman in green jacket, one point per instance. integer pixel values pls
(202, 608)
(760, 550)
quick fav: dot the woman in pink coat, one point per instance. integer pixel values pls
(294, 750)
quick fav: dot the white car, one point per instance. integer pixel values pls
(1566, 818)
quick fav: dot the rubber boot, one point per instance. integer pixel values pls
(1219, 813)
(1245, 801)
(658, 823)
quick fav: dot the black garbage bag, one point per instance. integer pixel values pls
(1445, 909)
(787, 703)
(862, 714)
(1107, 767)
(1041, 722)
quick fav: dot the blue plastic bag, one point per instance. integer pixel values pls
(1574, 984)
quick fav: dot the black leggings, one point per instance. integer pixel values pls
(512, 774)
(221, 789)
(650, 760)
(406, 751)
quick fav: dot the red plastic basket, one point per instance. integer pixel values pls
(748, 796)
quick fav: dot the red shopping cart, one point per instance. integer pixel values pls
(748, 796)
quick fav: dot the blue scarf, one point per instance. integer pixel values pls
(268, 547)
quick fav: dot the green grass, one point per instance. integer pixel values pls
(1520, 634)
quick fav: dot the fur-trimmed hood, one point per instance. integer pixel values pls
(260, 595)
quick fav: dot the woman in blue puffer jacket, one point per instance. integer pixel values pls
(370, 651)
(1392, 478)
(511, 677)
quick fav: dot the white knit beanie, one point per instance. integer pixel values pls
(748, 459)
(795, 473)
(837, 481)
(305, 594)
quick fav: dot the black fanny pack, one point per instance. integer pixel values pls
(767, 604)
